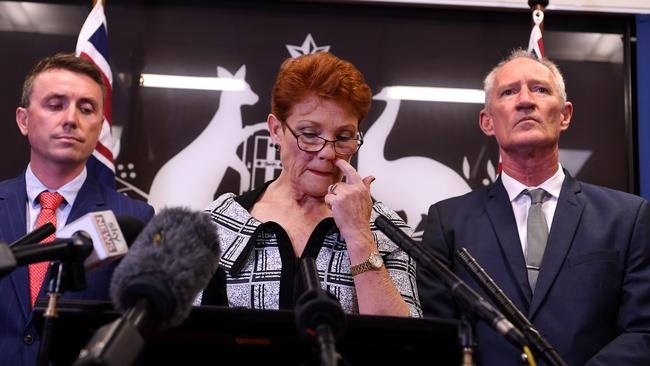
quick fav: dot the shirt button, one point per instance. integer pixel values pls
(28, 339)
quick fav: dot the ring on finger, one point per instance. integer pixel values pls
(331, 188)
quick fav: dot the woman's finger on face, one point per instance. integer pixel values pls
(351, 175)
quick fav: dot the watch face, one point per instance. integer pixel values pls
(375, 260)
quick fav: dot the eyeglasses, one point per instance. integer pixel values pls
(310, 142)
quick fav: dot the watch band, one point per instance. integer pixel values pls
(361, 267)
(374, 261)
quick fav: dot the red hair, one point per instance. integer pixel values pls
(324, 75)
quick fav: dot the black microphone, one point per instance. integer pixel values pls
(131, 227)
(535, 339)
(36, 235)
(75, 248)
(172, 259)
(319, 316)
(69, 250)
(467, 298)
(95, 238)
(102, 242)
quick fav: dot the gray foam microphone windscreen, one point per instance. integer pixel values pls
(172, 260)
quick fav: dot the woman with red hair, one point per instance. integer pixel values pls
(318, 102)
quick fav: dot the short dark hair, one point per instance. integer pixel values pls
(61, 61)
(324, 75)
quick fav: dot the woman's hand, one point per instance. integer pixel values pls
(351, 207)
(351, 204)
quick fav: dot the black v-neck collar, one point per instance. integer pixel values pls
(291, 286)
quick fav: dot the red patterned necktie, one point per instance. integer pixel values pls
(50, 201)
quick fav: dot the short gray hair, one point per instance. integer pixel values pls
(488, 82)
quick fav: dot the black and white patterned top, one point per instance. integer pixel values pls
(259, 270)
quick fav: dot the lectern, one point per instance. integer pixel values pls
(256, 337)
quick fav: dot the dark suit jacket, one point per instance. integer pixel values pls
(592, 300)
(19, 340)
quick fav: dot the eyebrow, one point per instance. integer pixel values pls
(539, 81)
(53, 96)
(516, 83)
(310, 123)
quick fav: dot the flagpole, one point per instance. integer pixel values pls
(538, 6)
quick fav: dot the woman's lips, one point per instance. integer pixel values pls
(320, 173)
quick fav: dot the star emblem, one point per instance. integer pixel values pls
(308, 47)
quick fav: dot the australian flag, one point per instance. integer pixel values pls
(92, 44)
(536, 43)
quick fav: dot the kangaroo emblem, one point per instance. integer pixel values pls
(410, 184)
(192, 176)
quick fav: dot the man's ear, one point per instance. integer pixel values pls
(567, 113)
(22, 120)
(485, 122)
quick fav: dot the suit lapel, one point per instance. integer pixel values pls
(13, 215)
(89, 199)
(565, 222)
(499, 210)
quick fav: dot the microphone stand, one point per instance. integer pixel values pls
(63, 276)
(319, 316)
(69, 275)
(468, 300)
(539, 344)
(51, 313)
(467, 340)
(119, 342)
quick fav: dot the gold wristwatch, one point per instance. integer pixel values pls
(373, 262)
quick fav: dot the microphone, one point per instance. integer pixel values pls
(36, 235)
(98, 233)
(7, 259)
(104, 230)
(539, 343)
(319, 316)
(154, 286)
(130, 226)
(102, 242)
(467, 298)
(77, 247)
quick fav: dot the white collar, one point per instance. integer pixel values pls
(69, 190)
(552, 185)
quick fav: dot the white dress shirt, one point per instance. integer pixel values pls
(69, 192)
(521, 202)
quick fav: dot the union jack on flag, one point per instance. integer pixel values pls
(536, 44)
(92, 44)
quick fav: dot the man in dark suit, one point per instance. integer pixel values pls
(574, 257)
(61, 114)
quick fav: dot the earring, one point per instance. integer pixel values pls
(276, 146)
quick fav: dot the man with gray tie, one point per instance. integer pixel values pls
(573, 257)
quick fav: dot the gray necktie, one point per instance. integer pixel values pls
(537, 235)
